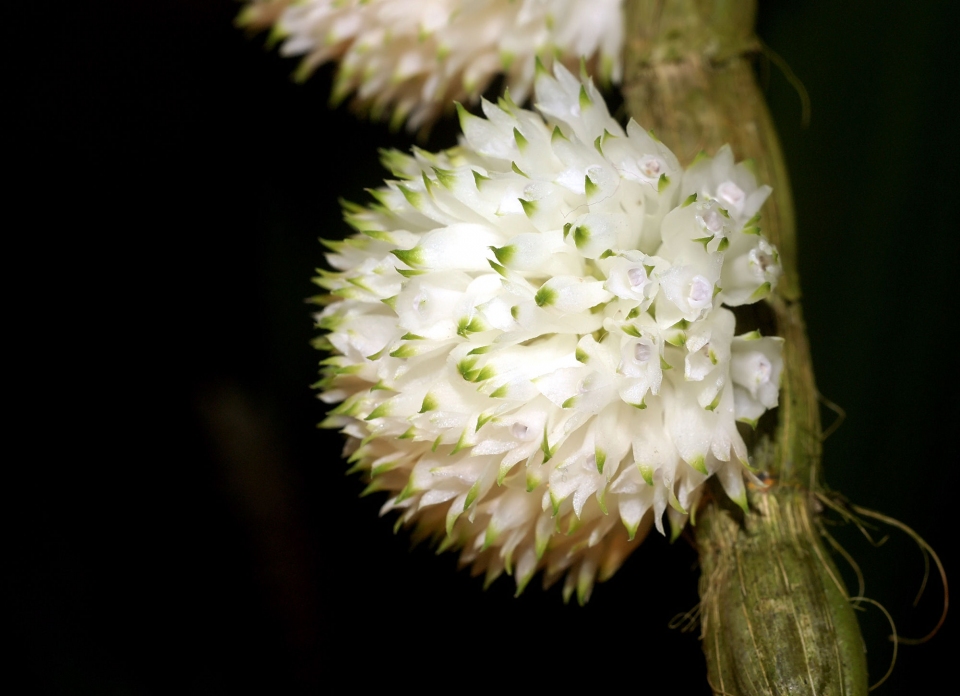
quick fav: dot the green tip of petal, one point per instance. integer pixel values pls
(581, 236)
(584, 588)
(398, 525)
(674, 503)
(601, 458)
(566, 229)
(646, 471)
(383, 468)
(532, 482)
(597, 144)
(414, 198)
(678, 339)
(462, 443)
(675, 529)
(581, 355)
(699, 463)
(662, 183)
(760, 292)
(372, 487)
(589, 187)
(557, 135)
(446, 177)
(514, 167)
(488, 372)
(483, 419)
(465, 368)
(404, 351)
(523, 581)
(585, 101)
(503, 471)
(489, 537)
(520, 140)
(545, 446)
(303, 72)
(470, 325)
(430, 403)
(411, 257)
(692, 198)
(478, 178)
(380, 411)
(569, 403)
(545, 296)
(462, 114)
(445, 543)
(712, 406)
(407, 491)
(500, 392)
(452, 516)
(529, 207)
(723, 245)
(471, 495)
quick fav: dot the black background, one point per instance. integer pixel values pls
(178, 523)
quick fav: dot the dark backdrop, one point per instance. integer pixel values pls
(179, 525)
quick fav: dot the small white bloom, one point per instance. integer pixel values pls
(756, 365)
(413, 57)
(532, 358)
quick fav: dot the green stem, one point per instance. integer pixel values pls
(775, 614)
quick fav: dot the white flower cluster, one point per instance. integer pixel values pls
(413, 57)
(528, 337)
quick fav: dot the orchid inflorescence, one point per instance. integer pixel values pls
(410, 59)
(531, 344)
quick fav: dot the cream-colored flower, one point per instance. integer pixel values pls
(412, 58)
(529, 345)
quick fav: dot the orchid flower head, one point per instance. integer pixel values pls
(531, 347)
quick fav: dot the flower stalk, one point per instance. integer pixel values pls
(775, 615)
